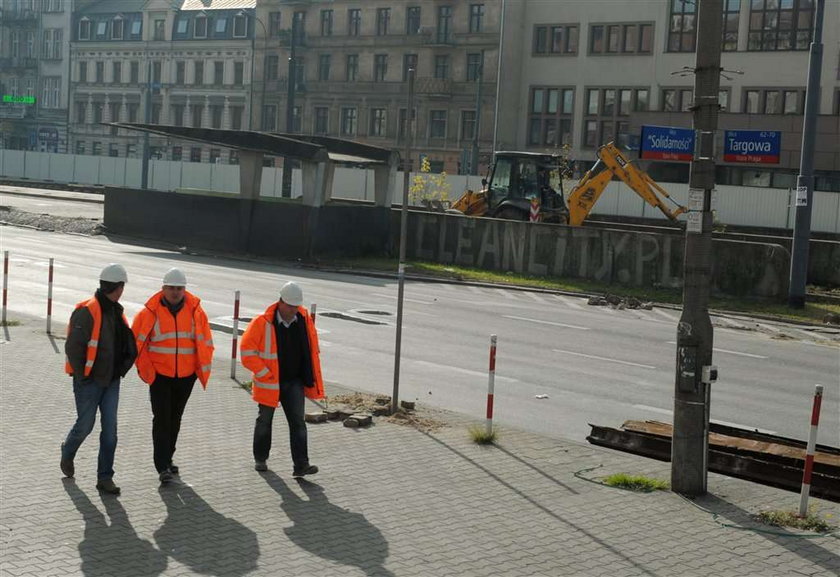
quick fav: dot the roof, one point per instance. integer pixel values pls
(112, 7)
(188, 5)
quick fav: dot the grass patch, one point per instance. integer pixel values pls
(8, 323)
(247, 385)
(814, 312)
(810, 522)
(636, 483)
(480, 436)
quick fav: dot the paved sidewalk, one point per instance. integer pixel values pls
(389, 500)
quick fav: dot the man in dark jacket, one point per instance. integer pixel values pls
(100, 350)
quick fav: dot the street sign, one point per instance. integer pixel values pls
(752, 146)
(667, 143)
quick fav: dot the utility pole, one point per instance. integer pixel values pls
(475, 149)
(147, 119)
(286, 190)
(805, 180)
(406, 167)
(689, 446)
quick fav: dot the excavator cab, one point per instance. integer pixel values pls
(518, 177)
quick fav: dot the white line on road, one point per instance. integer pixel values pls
(546, 322)
(604, 359)
(536, 297)
(460, 370)
(568, 302)
(726, 423)
(727, 351)
(406, 299)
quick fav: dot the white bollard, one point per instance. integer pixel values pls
(809, 452)
(235, 334)
(490, 384)
(312, 312)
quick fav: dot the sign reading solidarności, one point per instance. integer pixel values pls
(752, 146)
(667, 143)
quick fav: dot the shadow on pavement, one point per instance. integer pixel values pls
(330, 531)
(536, 469)
(822, 551)
(52, 339)
(200, 538)
(113, 549)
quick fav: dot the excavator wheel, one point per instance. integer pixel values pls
(511, 213)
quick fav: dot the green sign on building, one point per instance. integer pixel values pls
(11, 98)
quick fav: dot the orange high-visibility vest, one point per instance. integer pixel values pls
(93, 343)
(173, 346)
(259, 355)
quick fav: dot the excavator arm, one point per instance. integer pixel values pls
(611, 162)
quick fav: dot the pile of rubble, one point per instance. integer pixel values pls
(358, 410)
(619, 303)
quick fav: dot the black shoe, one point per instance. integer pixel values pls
(67, 466)
(108, 486)
(260, 466)
(165, 476)
(173, 468)
(307, 470)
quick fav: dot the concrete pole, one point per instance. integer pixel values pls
(689, 447)
(147, 119)
(286, 190)
(475, 146)
(805, 180)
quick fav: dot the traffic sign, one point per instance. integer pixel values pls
(752, 146)
(667, 143)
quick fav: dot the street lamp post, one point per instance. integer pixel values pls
(290, 107)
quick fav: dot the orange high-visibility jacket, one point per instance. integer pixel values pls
(93, 342)
(173, 346)
(259, 355)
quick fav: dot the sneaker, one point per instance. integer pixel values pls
(173, 468)
(260, 466)
(165, 476)
(307, 470)
(107, 486)
(67, 466)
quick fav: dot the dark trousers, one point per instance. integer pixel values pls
(169, 396)
(292, 401)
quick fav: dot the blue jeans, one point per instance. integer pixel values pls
(90, 397)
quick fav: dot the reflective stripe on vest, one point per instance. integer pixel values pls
(93, 343)
(173, 352)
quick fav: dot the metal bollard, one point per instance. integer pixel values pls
(490, 384)
(235, 334)
(809, 452)
(49, 298)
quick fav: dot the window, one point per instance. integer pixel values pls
(180, 72)
(156, 71)
(751, 101)
(136, 28)
(52, 45)
(444, 21)
(134, 72)
(240, 26)
(412, 20)
(476, 18)
(215, 156)
(216, 111)
(83, 72)
(269, 117)
(632, 38)
(117, 26)
(605, 116)
(731, 18)
(200, 27)
(322, 115)
(326, 22)
(378, 122)
(774, 101)
(80, 147)
(682, 30)
(218, 72)
(272, 62)
(348, 122)
(195, 154)
(181, 25)
(324, 67)
(274, 28)
(178, 114)
(238, 73)
(383, 19)
(98, 108)
(437, 124)
(156, 108)
(556, 39)
(401, 124)
(474, 66)
(354, 21)
(116, 72)
(296, 119)
(352, 67)
(467, 125)
(84, 29)
(160, 29)
(198, 72)
(677, 99)
(100, 72)
(550, 117)
(133, 111)
(51, 92)
(177, 153)
(780, 25)
(81, 112)
(97, 148)
(380, 67)
(409, 62)
(221, 26)
(442, 66)
(113, 149)
(196, 113)
(235, 113)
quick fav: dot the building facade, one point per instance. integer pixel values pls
(581, 74)
(34, 74)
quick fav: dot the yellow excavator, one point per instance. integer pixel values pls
(518, 180)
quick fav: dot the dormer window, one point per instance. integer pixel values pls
(200, 27)
(84, 29)
(221, 25)
(136, 27)
(181, 26)
(240, 26)
(101, 29)
(117, 28)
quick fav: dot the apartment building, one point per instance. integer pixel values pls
(350, 70)
(582, 73)
(186, 63)
(34, 79)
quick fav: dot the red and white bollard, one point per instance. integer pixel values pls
(49, 297)
(235, 334)
(809, 452)
(312, 312)
(491, 379)
(535, 210)
(5, 281)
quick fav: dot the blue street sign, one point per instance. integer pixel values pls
(752, 146)
(667, 143)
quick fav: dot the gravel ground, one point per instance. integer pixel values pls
(15, 217)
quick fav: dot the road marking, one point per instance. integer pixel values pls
(406, 299)
(568, 302)
(604, 359)
(668, 316)
(536, 297)
(546, 322)
(727, 351)
(462, 371)
(726, 423)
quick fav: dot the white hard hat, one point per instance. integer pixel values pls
(174, 277)
(114, 273)
(292, 294)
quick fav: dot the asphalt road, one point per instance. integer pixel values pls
(561, 363)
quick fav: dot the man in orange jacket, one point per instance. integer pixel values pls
(280, 347)
(174, 347)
